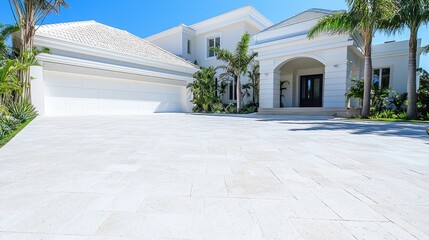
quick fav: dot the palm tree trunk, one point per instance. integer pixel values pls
(412, 82)
(366, 103)
(238, 94)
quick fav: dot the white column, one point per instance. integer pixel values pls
(38, 89)
(335, 86)
(269, 89)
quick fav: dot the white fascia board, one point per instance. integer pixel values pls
(276, 44)
(49, 58)
(247, 14)
(60, 44)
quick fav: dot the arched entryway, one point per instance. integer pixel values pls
(301, 82)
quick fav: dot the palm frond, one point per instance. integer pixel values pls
(426, 49)
(336, 23)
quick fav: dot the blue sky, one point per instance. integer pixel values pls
(144, 18)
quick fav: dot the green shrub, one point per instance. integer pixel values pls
(398, 101)
(217, 107)
(231, 108)
(22, 110)
(8, 124)
(250, 108)
(388, 113)
(401, 115)
(3, 110)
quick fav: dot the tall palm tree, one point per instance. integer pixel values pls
(364, 17)
(28, 15)
(412, 15)
(237, 62)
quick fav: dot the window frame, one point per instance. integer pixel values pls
(214, 37)
(189, 46)
(232, 84)
(381, 75)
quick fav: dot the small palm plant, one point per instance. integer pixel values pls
(284, 84)
(364, 17)
(204, 89)
(236, 63)
(254, 77)
(356, 91)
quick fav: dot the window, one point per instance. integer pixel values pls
(212, 42)
(381, 77)
(232, 90)
(189, 46)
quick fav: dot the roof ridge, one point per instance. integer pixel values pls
(317, 10)
(66, 24)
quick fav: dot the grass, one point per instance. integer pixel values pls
(11, 135)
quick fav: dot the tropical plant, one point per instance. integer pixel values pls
(9, 81)
(423, 95)
(217, 107)
(254, 78)
(236, 63)
(398, 101)
(249, 108)
(356, 91)
(204, 89)
(5, 32)
(29, 16)
(379, 98)
(411, 15)
(231, 108)
(364, 17)
(284, 84)
(426, 49)
(22, 110)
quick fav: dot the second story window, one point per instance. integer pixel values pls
(189, 47)
(212, 42)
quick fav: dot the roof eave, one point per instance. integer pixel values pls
(61, 44)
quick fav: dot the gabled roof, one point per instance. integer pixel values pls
(246, 13)
(238, 14)
(94, 34)
(310, 14)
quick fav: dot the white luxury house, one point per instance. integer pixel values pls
(97, 69)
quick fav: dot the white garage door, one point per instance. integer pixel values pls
(75, 94)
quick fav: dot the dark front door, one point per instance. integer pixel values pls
(311, 91)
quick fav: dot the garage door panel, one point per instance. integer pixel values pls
(77, 95)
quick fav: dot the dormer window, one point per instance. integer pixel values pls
(212, 42)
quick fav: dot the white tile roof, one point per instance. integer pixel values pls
(310, 14)
(92, 33)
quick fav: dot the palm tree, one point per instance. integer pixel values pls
(412, 15)
(254, 77)
(364, 17)
(237, 62)
(5, 32)
(28, 14)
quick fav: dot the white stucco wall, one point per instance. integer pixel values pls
(172, 42)
(394, 56)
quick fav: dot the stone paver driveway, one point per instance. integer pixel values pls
(174, 176)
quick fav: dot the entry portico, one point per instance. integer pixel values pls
(297, 72)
